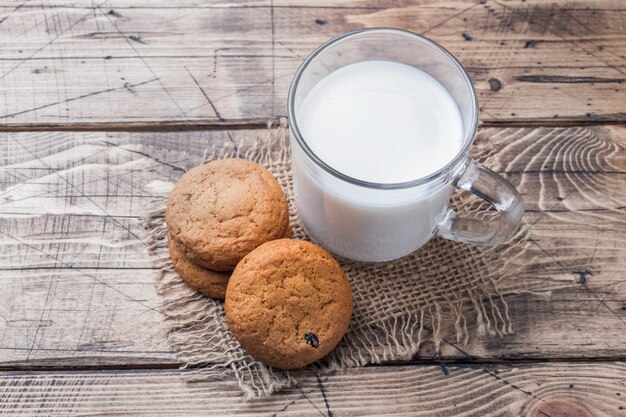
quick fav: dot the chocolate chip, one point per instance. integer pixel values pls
(311, 339)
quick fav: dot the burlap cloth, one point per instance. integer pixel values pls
(397, 304)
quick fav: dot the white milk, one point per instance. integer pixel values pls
(381, 122)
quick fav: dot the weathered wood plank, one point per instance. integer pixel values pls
(75, 63)
(533, 390)
(76, 279)
(74, 250)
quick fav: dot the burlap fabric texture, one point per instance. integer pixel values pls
(430, 294)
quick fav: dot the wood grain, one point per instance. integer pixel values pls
(80, 328)
(86, 65)
(532, 390)
(76, 282)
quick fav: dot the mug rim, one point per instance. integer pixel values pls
(293, 124)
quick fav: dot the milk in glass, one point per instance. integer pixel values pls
(381, 122)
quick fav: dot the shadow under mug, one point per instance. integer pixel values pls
(371, 222)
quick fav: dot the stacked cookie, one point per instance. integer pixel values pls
(287, 301)
(216, 214)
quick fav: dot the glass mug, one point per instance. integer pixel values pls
(370, 222)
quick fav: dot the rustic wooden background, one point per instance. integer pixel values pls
(105, 103)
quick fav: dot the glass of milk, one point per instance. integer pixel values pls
(381, 124)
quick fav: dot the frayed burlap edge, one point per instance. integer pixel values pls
(396, 304)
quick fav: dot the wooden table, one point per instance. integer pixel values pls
(105, 103)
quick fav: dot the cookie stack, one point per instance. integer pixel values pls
(288, 302)
(216, 214)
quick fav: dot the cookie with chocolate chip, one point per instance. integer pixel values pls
(288, 303)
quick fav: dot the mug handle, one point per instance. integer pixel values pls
(486, 184)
